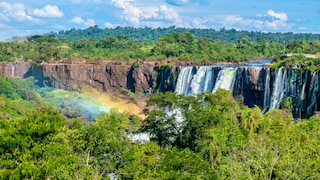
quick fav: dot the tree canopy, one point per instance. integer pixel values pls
(171, 43)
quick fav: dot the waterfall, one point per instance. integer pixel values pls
(202, 81)
(248, 83)
(279, 88)
(266, 99)
(184, 80)
(313, 91)
(292, 83)
(225, 79)
(303, 92)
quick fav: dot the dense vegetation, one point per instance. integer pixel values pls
(17, 97)
(217, 139)
(238, 142)
(148, 34)
(122, 44)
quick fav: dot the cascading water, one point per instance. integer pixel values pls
(292, 83)
(279, 88)
(303, 91)
(252, 83)
(202, 81)
(303, 95)
(313, 91)
(266, 99)
(184, 80)
(225, 79)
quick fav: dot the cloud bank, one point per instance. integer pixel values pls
(49, 11)
(14, 11)
(87, 22)
(145, 15)
(270, 21)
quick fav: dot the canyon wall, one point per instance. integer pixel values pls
(105, 76)
(291, 87)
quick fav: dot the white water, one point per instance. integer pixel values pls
(184, 80)
(225, 79)
(266, 99)
(279, 88)
(202, 81)
(314, 89)
(140, 138)
(292, 83)
(303, 92)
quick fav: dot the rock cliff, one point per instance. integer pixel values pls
(106, 76)
(109, 76)
(258, 85)
(13, 69)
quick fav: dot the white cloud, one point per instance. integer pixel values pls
(280, 16)
(198, 23)
(271, 21)
(14, 11)
(279, 22)
(233, 19)
(170, 14)
(77, 20)
(142, 15)
(87, 22)
(50, 11)
(131, 13)
(276, 24)
(108, 25)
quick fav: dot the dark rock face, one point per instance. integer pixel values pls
(105, 76)
(249, 84)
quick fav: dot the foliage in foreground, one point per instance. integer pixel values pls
(217, 139)
(44, 145)
(238, 142)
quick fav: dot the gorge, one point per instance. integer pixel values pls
(293, 88)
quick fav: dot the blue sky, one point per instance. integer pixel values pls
(21, 17)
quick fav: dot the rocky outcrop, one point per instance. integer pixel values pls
(249, 85)
(13, 69)
(106, 76)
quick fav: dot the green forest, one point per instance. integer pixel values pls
(47, 133)
(124, 44)
(219, 138)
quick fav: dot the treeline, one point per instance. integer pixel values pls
(148, 34)
(183, 46)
